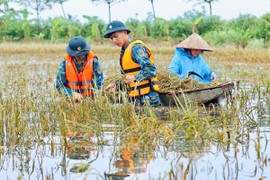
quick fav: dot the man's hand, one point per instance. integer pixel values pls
(129, 79)
(77, 96)
(110, 86)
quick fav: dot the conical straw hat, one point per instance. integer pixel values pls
(194, 41)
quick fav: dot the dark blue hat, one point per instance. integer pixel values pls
(115, 26)
(77, 46)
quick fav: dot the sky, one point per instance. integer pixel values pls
(167, 9)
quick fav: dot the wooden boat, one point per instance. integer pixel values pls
(201, 96)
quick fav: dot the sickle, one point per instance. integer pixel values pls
(192, 72)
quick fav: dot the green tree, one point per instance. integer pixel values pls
(139, 29)
(8, 23)
(145, 28)
(4, 10)
(74, 26)
(243, 21)
(159, 29)
(180, 28)
(99, 27)
(47, 26)
(210, 24)
(246, 24)
(25, 25)
(60, 28)
(263, 28)
(134, 25)
(95, 32)
(110, 3)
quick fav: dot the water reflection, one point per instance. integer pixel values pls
(186, 160)
(130, 159)
(80, 147)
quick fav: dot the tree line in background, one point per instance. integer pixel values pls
(246, 30)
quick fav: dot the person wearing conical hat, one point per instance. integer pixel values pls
(187, 60)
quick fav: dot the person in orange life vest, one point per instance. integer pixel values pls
(137, 64)
(76, 74)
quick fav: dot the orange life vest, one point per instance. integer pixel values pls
(80, 82)
(129, 67)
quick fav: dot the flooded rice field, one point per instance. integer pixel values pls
(43, 136)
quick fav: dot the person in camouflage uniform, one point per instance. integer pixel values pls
(137, 65)
(78, 71)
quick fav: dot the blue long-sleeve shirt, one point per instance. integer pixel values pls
(182, 63)
(61, 81)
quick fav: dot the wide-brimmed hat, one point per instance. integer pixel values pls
(115, 26)
(77, 46)
(194, 41)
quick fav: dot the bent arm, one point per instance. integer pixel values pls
(61, 81)
(208, 73)
(98, 74)
(176, 66)
(140, 55)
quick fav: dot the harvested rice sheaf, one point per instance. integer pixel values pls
(169, 82)
(116, 77)
(116, 95)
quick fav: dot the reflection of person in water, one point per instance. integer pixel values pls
(80, 146)
(80, 143)
(133, 160)
(129, 163)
